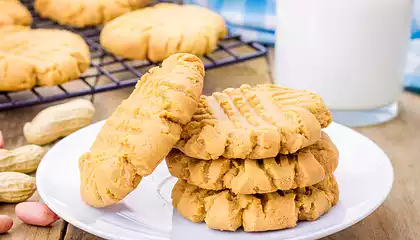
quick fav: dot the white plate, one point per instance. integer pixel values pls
(364, 174)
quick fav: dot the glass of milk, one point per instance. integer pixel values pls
(351, 52)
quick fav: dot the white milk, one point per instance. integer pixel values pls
(351, 52)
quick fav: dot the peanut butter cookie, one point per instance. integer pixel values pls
(82, 13)
(164, 29)
(142, 130)
(254, 122)
(12, 12)
(305, 168)
(225, 210)
(40, 57)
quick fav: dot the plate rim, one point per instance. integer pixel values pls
(73, 221)
(316, 235)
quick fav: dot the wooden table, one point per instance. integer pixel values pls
(397, 218)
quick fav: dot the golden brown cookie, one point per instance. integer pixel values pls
(43, 57)
(224, 210)
(254, 122)
(141, 131)
(82, 13)
(304, 168)
(12, 12)
(164, 29)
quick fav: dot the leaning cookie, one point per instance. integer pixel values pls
(12, 12)
(305, 168)
(42, 57)
(83, 13)
(224, 210)
(141, 131)
(164, 29)
(254, 122)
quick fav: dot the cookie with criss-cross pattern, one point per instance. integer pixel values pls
(254, 122)
(141, 131)
(44, 57)
(12, 12)
(304, 168)
(164, 29)
(83, 13)
(224, 210)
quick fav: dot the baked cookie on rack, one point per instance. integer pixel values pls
(254, 123)
(12, 12)
(164, 29)
(224, 210)
(45, 57)
(141, 131)
(82, 13)
(304, 168)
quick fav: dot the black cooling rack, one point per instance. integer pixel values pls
(108, 72)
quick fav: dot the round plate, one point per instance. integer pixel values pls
(364, 175)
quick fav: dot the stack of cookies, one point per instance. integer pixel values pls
(255, 157)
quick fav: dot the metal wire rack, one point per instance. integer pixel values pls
(108, 72)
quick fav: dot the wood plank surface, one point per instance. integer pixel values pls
(397, 218)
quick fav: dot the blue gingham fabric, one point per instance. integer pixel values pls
(254, 20)
(412, 68)
(415, 23)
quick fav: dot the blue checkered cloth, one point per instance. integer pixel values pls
(255, 20)
(412, 68)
